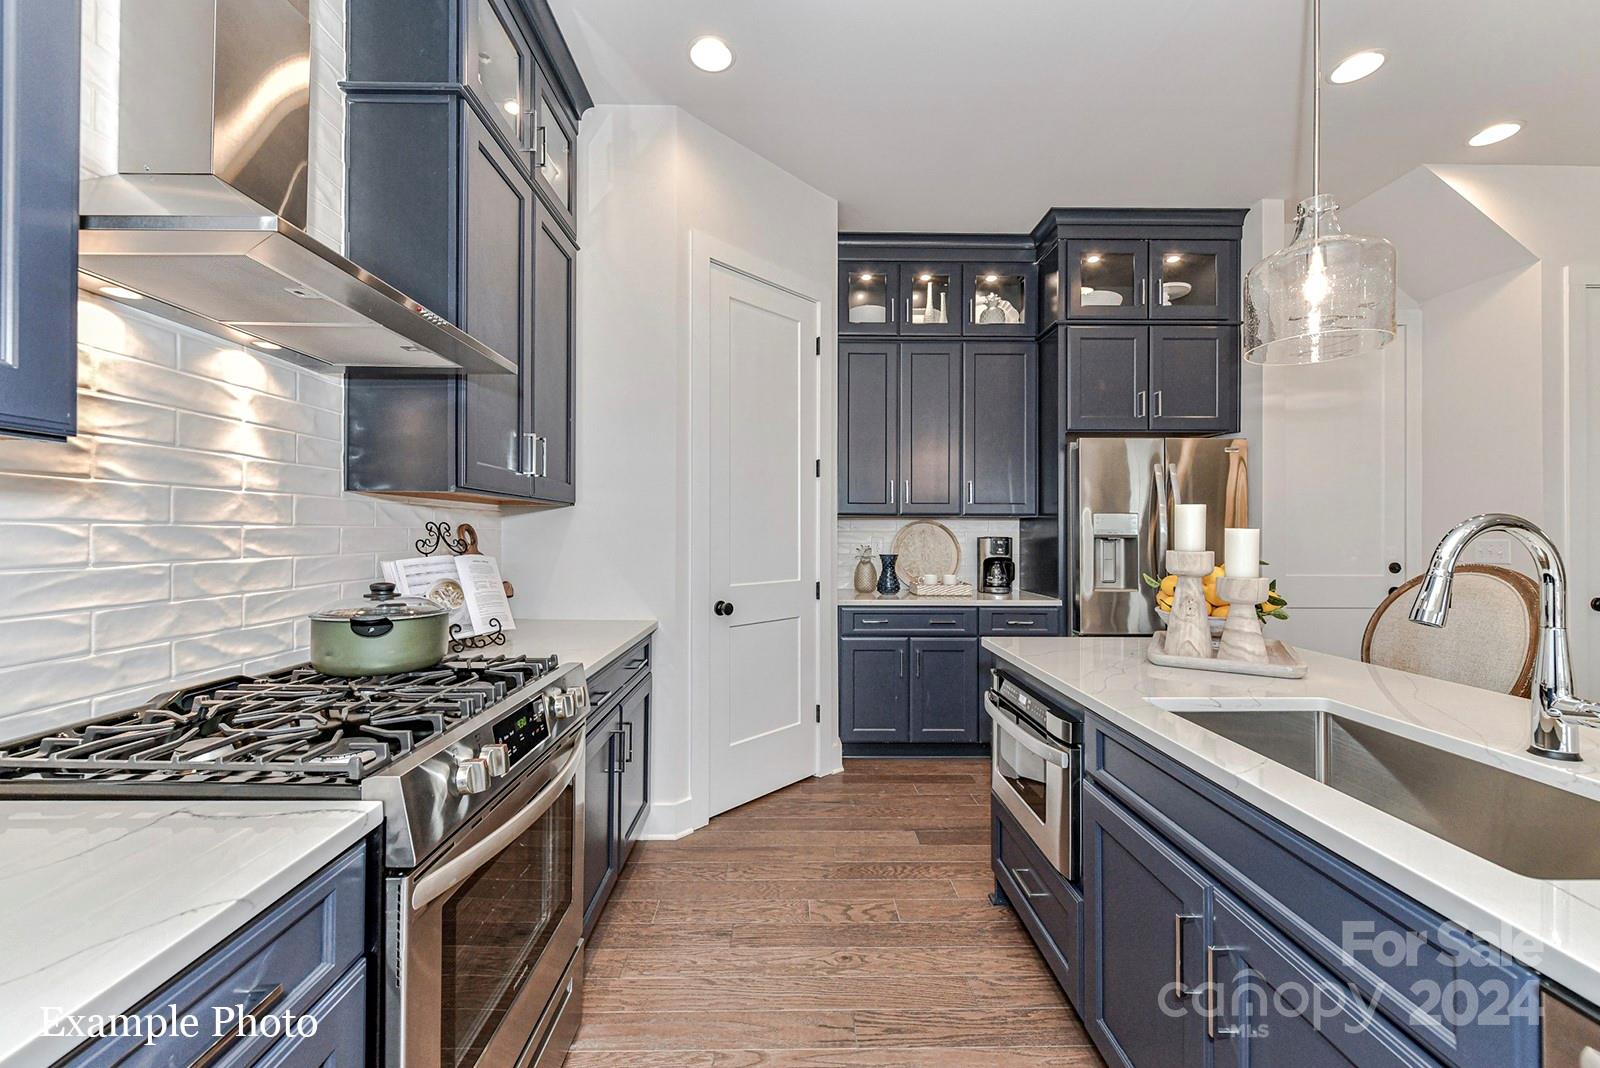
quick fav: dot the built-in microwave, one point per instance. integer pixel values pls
(1037, 756)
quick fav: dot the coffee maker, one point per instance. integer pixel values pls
(997, 568)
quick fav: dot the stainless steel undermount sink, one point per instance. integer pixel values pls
(1520, 824)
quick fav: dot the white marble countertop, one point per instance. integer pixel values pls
(595, 643)
(104, 902)
(1015, 599)
(1552, 926)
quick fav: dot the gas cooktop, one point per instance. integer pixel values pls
(433, 745)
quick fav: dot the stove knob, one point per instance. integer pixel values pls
(498, 756)
(560, 703)
(471, 776)
(579, 696)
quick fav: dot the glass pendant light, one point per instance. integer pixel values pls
(1327, 294)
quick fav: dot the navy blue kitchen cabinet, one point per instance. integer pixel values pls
(1048, 906)
(462, 121)
(930, 428)
(1145, 922)
(1024, 622)
(1000, 428)
(39, 118)
(307, 955)
(874, 692)
(616, 785)
(943, 671)
(869, 421)
(1147, 379)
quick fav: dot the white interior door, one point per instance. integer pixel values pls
(1340, 510)
(1582, 547)
(763, 532)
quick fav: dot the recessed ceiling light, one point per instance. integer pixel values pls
(266, 346)
(1174, 257)
(1355, 67)
(1093, 257)
(1493, 135)
(711, 54)
(118, 293)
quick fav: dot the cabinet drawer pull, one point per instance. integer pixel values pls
(1019, 622)
(944, 622)
(218, 1049)
(1016, 873)
(1177, 955)
(872, 622)
(1213, 997)
(634, 665)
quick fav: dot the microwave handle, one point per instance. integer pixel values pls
(1025, 736)
(449, 875)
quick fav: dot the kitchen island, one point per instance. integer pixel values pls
(1201, 809)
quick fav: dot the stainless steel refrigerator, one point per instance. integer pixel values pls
(1117, 519)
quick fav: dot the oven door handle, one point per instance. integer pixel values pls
(1026, 736)
(451, 874)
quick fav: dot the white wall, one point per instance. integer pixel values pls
(654, 177)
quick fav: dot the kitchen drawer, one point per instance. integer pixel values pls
(949, 622)
(1389, 947)
(1048, 906)
(341, 1037)
(294, 955)
(610, 681)
(1019, 621)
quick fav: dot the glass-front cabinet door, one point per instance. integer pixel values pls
(999, 298)
(1107, 280)
(930, 295)
(554, 150)
(868, 295)
(498, 68)
(1194, 280)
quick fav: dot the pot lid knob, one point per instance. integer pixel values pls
(380, 591)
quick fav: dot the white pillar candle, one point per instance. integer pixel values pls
(1241, 552)
(1189, 528)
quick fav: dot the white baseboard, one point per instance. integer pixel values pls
(668, 821)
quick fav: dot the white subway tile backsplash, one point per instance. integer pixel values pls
(218, 577)
(211, 434)
(140, 544)
(148, 624)
(880, 533)
(199, 514)
(23, 641)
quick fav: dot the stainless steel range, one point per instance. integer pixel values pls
(479, 766)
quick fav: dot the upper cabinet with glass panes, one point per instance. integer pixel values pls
(999, 298)
(498, 68)
(1146, 279)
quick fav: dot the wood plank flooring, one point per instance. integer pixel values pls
(841, 922)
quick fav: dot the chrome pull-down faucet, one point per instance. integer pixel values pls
(1557, 712)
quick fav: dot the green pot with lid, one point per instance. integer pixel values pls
(379, 634)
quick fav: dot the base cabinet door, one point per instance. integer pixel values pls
(1144, 931)
(635, 763)
(944, 675)
(1270, 1005)
(874, 695)
(601, 859)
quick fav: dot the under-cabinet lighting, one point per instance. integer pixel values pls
(924, 277)
(1093, 257)
(1353, 68)
(1174, 257)
(1493, 135)
(711, 54)
(866, 277)
(991, 278)
(119, 293)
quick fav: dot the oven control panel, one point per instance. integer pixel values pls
(522, 732)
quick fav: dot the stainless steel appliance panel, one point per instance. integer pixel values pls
(1036, 760)
(1114, 524)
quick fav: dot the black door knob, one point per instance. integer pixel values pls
(1394, 568)
(1595, 604)
(723, 608)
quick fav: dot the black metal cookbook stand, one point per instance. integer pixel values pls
(440, 536)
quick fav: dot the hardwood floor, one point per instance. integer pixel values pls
(842, 921)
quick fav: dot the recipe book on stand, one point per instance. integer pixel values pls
(469, 586)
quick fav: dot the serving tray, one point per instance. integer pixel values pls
(1282, 661)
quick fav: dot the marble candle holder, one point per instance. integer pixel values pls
(1241, 635)
(1188, 626)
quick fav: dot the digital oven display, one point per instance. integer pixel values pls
(522, 733)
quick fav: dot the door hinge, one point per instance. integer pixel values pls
(819, 713)
(819, 591)
(819, 346)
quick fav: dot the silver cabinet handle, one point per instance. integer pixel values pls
(1142, 294)
(902, 663)
(1016, 873)
(969, 491)
(1019, 622)
(905, 495)
(1213, 997)
(526, 140)
(872, 622)
(1138, 404)
(944, 622)
(908, 310)
(214, 1052)
(1177, 955)
(539, 147)
(544, 455)
(891, 491)
(916, 668)
(1156, 396)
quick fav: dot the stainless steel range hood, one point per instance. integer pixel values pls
(208, 215)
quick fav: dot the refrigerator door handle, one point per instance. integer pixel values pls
(1086, 553)
(1162, 543)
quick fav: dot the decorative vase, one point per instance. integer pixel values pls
(866, 576)
(888, 581)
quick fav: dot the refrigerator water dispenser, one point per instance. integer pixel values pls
(1116, 550)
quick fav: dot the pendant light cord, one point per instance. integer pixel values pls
(1316, 115)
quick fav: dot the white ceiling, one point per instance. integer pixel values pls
(979, 115)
